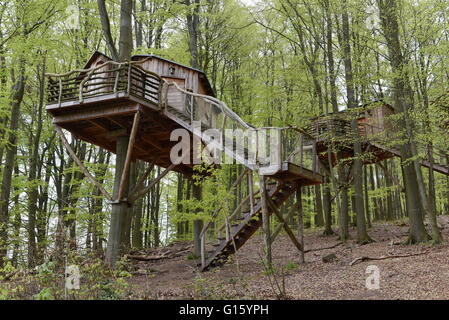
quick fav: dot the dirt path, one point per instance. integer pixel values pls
(424, 276)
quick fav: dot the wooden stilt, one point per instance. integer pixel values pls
(251, 192)
(132, 139)
(79, 163)
(289, 231)
(266, 221)
(281, 225)
(203, 251)
(300, 224)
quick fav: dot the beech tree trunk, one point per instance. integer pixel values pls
(11, 149)
(402, 104)
(362, 235)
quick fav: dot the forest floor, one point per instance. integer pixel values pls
(424, 275)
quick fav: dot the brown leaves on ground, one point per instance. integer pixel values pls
(423, 272)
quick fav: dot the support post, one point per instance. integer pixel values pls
(197, 223)
(289, 231)
(266, 221)
(281, 225)
(251, 192)
(129, 152)
(300, 223)
(203, 250)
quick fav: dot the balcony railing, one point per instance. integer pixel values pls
(110, 78)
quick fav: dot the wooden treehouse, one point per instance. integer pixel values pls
(376, 131)
(149, 97)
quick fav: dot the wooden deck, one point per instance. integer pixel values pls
(100, 120)
(98, 105)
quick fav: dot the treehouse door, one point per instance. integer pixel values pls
(175, 98)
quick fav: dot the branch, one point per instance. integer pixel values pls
(105, 25)
(361, 259)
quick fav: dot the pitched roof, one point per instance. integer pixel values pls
(202, 74)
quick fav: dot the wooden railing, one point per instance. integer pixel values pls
(340, 129)
(230, 219)
(110, 78)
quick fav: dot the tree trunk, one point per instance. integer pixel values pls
(327, 208)
(402, 104)
(319, 219)
(266, 222)
(11, 149)
(32, 183)
(362, 235)
(119, 208)
(197, 223)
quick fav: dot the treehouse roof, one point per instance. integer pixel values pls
(201, 74)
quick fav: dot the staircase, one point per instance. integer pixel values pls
(242, 228)
(281, 180)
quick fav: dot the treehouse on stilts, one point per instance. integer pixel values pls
(378, 136)
(149, 97)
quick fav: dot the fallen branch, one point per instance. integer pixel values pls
(318, 249)
(146, 258)
(361, 259)
(164, 255)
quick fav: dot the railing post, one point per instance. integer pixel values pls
(279, 149)
(251, 192)
(129, 79)
(301, 142)
(314, 158)
(60, 92)
(228, 235)
(117, 78)
(159, 94)
(191, 110)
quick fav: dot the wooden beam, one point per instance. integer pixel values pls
(281, 225)
(94, 113)
(115, 133)
(152, 143)
(290, 233)
(98, 125)
(266, 221)
(79, 163)
(117, 123)
(251, 192)
(144, 177)
(138, 194)
(300, 224)
(132, 139)
(323, 166)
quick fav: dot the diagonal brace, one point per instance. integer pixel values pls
(144, 177)
(140, 193)
(79, 163)
(290, 233)
(286, 217)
